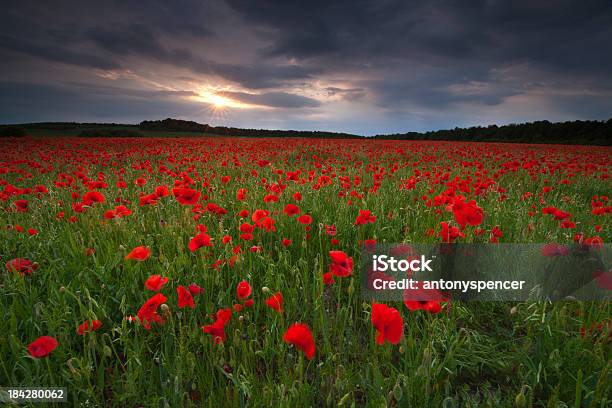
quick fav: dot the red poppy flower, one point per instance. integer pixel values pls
(370, 245)
(217, 329)
(365, 217)
(291, 210)
(388, 323)
(155, 283)
(88, 326)
(148, 311)
(286, 242)
(449, 233)
(91, 197)
(243, 290)
(149, 199)
(328, 278)
(300, 336)
(162, 191)
(305, 219)
(241, 194)
(467, 213)
(122, 211)
(331, 230)
(195, 289)
(246, 228)
(603, 279)
(186, 196)
(276, 302)
(259, 215)
(140, 253)
(342, 264)
(42, 346)
(184, 298)
(420, 298)
(554, 250)
(21, 265)
(21, 205)
(32, 231)
(199, 241)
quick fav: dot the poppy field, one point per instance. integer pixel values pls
(225, 272)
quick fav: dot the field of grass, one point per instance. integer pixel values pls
(467, 354)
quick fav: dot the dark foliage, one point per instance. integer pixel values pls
(11, 131)
(109, 133)
(576, 132)
(174, 125)
(589, 132)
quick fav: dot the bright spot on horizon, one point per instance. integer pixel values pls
(220, 102)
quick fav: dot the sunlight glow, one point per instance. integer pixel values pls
(220, 102)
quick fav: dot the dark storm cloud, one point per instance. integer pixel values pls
(56, 53)
(449, 42)
(394, 57)
(272, 99)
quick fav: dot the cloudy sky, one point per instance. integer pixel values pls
(360, 66)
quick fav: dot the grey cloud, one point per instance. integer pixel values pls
(346, 93)
(57, 53)
(26, 102)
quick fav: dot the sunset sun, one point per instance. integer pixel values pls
(218, 101)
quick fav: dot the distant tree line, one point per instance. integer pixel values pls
(573, 132)
(11, 131)
(590, 132)
(176, 125)
(110, 133)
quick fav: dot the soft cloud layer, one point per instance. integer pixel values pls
(359, 66)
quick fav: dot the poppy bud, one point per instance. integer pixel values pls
(513, 310)
(344, 399)
(520, 401)
(265, 290)
(71, 367)
(165, 309)
(402, 350)
(121, 248)
(62, 289)
(106, 351)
